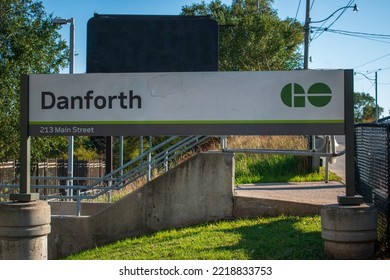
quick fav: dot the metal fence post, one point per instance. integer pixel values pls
(223, 143)
(78, 202)
(109, 192)
(327, 150)
(166, 165)
(121, 153)
(141, 149)
(149, 176)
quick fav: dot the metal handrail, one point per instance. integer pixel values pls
(285, 152)
(316, 152)
(134, 169)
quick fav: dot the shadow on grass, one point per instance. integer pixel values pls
(279, 240)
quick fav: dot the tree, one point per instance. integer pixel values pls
(29, 43)
(364, 107)
(252, 37)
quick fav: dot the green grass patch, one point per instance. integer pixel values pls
(252, 169)
(278, 238)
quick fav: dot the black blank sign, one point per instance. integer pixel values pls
(128, 43)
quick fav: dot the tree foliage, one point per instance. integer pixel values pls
(29, 43)
(252, 37)
(364, 108)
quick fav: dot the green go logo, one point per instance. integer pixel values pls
(293, 95)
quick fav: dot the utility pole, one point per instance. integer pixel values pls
(376, 97)
(315, 161)
(307, 34)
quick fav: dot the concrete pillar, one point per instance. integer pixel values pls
(24, 227)
(349, 232)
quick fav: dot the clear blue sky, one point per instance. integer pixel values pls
(328, 50)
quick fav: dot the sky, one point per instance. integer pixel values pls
(359, 50)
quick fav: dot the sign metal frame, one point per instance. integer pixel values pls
(346, 128)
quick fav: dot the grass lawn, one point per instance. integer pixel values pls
(251, 169)
(270, 168)
(278, 238)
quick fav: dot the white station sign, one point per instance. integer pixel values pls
(189, 103)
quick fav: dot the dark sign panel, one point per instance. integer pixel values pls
(132, 43)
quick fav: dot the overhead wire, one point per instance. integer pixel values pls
(299, 6)
(317, 34)
(342, 12)
(371, 80)
(365, 77)
(382, 69)
(311, 5)
(363, 35)
(376, 59)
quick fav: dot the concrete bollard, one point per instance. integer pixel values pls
(349, 232)
(24, 227)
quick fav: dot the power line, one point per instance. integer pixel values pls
(376, 59)
(368, 72)
(299, 6)
(315, 36)
(363, 35)
(342, 12)
(376, 70)
(382, 69)
(311, 5)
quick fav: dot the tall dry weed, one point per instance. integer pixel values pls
(268, 142)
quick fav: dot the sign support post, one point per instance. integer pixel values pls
(350, 197)
(25, 221)
(25, 194)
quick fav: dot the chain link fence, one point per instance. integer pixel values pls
(373, 173)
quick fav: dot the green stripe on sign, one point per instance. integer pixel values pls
(195, 122)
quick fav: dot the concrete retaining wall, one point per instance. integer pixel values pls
(248, 207)
(199, 190)
(59, 208)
